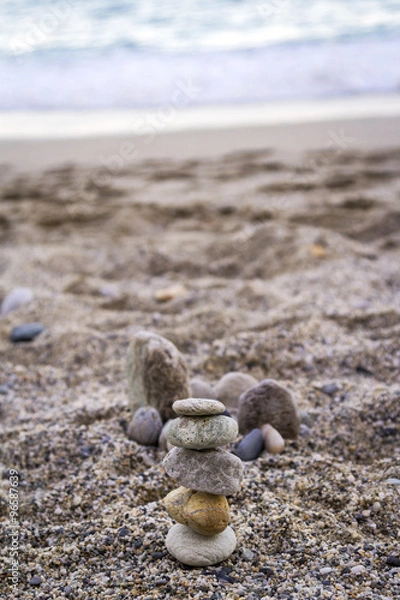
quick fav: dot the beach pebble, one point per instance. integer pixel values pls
(4, 389)
(232, 385)
(194, 549)
(273, 441)
(157, 374)
(163, 443)
(170, 293)
(250, 446)
(304, 431)
(306, 418)
(201, 433)
(15, 298)
(207, 514)
(329, 389)
(269, 402)
(214, 471)
(26, 332)
(193, 407)
(202, 389)
(145, 426)
(35, 580)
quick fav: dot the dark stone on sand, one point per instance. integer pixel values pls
(272, 403)
(26, 332)
(330, 389)
(123, 532)
(393, 561)
(35, 580)
(251, 445)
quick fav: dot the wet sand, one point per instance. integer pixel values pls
(287, 251)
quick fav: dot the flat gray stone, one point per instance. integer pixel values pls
(232, 385)
(269, 402)
(26, 332)
(202, 433)
(198, 407)
(197, 550)
(213, 471)
(157, 374)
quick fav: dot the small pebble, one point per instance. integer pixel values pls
(15, 299)
(4, 389)
(306, 418)
(26, 332)
(170, 293)
(393, 481)
(35, 580)
(329, 389)
(250, 446)
(325, 570)
(305, 431)
(393, 561)
(357, 570)
(273, 441)
(146, 426)
(248, 554)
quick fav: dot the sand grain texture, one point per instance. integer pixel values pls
(292, 273)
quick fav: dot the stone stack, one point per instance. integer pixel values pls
(206, 474)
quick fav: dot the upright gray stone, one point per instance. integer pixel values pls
(157, 374)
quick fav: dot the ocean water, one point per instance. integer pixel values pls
(119, 54)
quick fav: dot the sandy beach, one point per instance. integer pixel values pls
(284, 241)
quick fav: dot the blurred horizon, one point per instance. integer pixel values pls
(103, 54)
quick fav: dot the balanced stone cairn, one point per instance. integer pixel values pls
(206, 475)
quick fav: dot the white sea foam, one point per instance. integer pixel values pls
(102, 54)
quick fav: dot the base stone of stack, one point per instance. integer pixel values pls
(197, 550)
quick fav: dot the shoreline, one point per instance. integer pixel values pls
(288, 141)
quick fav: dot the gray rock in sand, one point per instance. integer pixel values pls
(251, 445)
(197, 550)
(157, 374)
(202, 389)
(232, 385)
(145, 426)
(214, 471)
(269, 402)
(201, 433)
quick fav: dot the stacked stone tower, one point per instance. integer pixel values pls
(206, 474)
